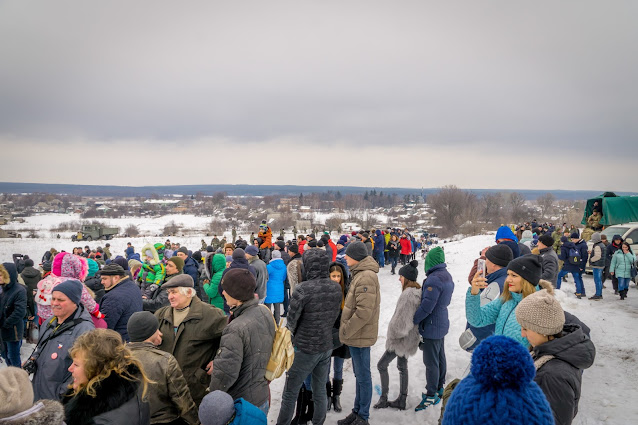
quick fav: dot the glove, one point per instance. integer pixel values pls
(97, 313)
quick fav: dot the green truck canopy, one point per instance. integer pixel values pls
(615, 209)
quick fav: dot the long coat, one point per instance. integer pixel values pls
(194, 343)
(403, 335)
(13, 307)
(276, 277)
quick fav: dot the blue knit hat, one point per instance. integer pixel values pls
(500, 389)
(72, 289)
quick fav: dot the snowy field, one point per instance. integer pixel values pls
(609, 386)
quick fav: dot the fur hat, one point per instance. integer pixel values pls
(541, 312)
(239, 284)
(502, 374)
(499, 254)
(410, 271)
(528, 267)
(179, 263)
(16, 392)
(357, 251)
(229, 245)
(141, 326)
(180, 281)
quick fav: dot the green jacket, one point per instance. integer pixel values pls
(387, 237)
(212, 288)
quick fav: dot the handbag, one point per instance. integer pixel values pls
(633, 272)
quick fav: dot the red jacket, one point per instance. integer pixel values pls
(406, 246)
(301, 245)
(334, 249)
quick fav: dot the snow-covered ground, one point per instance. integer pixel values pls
(608, 386)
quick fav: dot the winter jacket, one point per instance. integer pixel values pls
(621, 264)
(406, 246)
(119, 303)
(598, 254)
(341, 259)
(240, 364)
(129, 251)
(368, 244)
(360, 316)
(13, 307)
(387, 238)
(94, 283)
(581, 246)
(494, 289)
(159, 297)
(263, 276)
(266, 238)
(314, 306)
(31, 276)
(293, 271)
(191, 269)
(44, 412)
(611, 250)
(394, 249)
(46, 287)
(52, 376)
(379, 242)
(218, 265)
(403, 335)
(436, 293)
(301, 246)
(276, 277)
(524, 249)
(194, 343)
(327, 247)
(549, 262)
(559, 370)
(334, 249)
(564, 255)
(118, 401)
(168, 397)
(340, 350)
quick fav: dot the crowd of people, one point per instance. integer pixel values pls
(167, 335)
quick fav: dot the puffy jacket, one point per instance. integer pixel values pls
(248, 414)
(611, 250)
(582, 247)
(266, 238)
(334, 249)
(218, 265)
(386, 238)
(559, 370)
(13, 306)
(394, 249)
(549, 262)
(194, 343)
(621, 264)
(240, 364)
(403, 335)
(314, 305)
(262, 277)
(564, 255)
(118, 305)
(276, 277)
(598, 254)
(168, 397)
(379, 242)
(31, 277)
(52, 376)
(436, 293)
(406, 246)
(360, 316)
(118, 401)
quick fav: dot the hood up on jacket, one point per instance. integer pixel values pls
(316, 264)
(574, 347)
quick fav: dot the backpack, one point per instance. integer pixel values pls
(574, 257)
(282, 354)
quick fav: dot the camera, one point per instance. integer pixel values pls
(30, 366)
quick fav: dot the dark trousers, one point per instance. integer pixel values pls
(393, 261)
(435, 364)
(276, 312)
(402, 365)
(286, 297)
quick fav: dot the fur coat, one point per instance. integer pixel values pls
(43, 412)
(403, 335)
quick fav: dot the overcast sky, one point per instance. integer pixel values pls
(481, 94)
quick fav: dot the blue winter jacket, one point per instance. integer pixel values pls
(277, 274)
(129, 251)
(191, 269)
(379, 242)
(118, 305)
(248, 414)
(500, 313)
(432, 314)
(483, 332)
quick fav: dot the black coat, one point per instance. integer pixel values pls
(94, 283)
(118, 401)
(340, 350)
(315, 305)
(560, 378)
(31, 277)
(13, 307)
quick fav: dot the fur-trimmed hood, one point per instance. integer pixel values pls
(44, 412)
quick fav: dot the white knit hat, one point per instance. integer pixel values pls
(541, 312)
(16, 391)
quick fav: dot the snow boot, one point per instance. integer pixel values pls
(310, 409)
(300, 408)
(382, 403)
(329, 394)
(348, 420)
(399, 403)
(427, 401)
(337, 385)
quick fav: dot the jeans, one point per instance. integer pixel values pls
(623, 283)
(11, 353)
(338, 369)
(578, 280)
(277, 313)
(394, 261)
(402, 365)
(598, 281)
(380, 258)
(435, 364)
(286, 297)
(317, 364)
(363, 384)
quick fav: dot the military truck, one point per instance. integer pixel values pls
(91, 232)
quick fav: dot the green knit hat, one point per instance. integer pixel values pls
(435, 256)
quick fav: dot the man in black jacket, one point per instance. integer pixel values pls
(314, 308)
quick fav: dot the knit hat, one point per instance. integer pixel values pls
(94, 267)
(563, 239)
(499, 254)
(179, 263)
(141, 326)
(546, 240)
(239, 284)
(28, 262)
(541, 312)
(229, 258)
(595, 238)
(180, 281)
(113, 270)
(502, 374)
(410, 271)
(217, 408)
(574, 235)
(121, 261)
(281, 244)
(275, 254)
(16, 391)
(252, 250)
(435, 257)
(528, 267)
(343, 240)
(294, 249)
(239, 253)
(71, 288)
(183, 250)
(357, 251)
(46, 266)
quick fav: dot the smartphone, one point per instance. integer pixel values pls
(480, 267)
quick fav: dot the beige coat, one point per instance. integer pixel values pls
(360, 317)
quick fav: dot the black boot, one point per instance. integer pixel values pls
(301, 398)
(310, 409)
(382, 403)
(337, 385)
(399, 403)
(329, 394)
